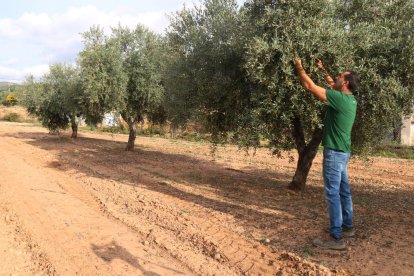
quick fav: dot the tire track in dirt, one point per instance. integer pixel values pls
(19, 254)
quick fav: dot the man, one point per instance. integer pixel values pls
(339, 119)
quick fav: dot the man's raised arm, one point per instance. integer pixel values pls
(307, 83)
(329, 80)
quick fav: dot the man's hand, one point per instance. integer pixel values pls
(297, 61)
(319, 64)
(298, 64)
(329, 80)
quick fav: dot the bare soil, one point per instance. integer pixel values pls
(88, 207)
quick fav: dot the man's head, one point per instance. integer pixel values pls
(347, 82)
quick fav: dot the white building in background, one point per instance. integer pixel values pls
(111, 119)
(407, 131)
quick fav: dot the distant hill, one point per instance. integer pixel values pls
(4, 85)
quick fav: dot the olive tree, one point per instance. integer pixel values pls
(382, 34)
(370, 37)
(205, 80)
(55, 98)
(292, 118)
(142, 61)
(102, 75)
(236, 68)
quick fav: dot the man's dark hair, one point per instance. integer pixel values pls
(353, 79)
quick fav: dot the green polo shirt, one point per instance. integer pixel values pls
(339, 119)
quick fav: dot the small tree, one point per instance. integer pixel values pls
(142, 64)
(55, 98)
(205, 80)
(102, 75)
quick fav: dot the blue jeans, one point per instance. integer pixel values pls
(337, 191)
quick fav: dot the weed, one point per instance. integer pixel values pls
(193, 176)
(327, 265)
(13, 117)
(185, 211)
(194, 137)
(388, 243)
(212, 180)
(153, 131)
(307, 252)
(114, 130)
(360, 201)
(160, 175)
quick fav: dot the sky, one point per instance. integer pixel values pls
(37, 33)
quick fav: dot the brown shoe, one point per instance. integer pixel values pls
(348, 233)
(331, 243)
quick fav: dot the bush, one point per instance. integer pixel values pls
(114, 130)
(10, 100)
(194, 136)
(13, 117)
(153, 131)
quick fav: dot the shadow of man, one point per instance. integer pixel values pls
(112, 250)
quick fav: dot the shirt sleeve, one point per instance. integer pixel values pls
(334, 98)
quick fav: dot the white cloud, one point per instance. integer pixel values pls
(49, 38)
(44, 27)
(16, 75)
(12, 61)
(37, 71)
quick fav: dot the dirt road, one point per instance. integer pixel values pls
(87, 207)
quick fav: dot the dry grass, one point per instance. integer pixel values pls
(21, 111)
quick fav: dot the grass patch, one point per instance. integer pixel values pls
(16, 114)
(395, 151)
(307, 252)
(153, 131)
(13, 117)
(360, 201)
(193, 176)
(388, 243)
(328, 265)
(113, 130)
(194, 137)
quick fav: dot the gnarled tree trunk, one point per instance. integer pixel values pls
(132, 134)
(74, 126)
(396, 130)
(307, 153)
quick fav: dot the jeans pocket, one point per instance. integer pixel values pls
(328, 157)
(331, 164)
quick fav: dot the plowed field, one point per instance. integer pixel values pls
(88, 207)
